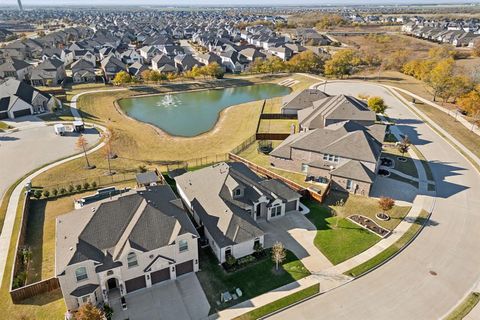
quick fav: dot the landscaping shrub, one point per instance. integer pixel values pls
(86, 186)
(142, 168)
(246, 260)
(63, 191)
(78, 187)
(54, 192)
(94, 184)
(70, 188)
(37, 194)
(46, 193)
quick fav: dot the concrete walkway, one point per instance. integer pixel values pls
(297, 233)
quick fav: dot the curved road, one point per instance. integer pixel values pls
(441, 266)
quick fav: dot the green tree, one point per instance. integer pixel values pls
(376, 104)
(342, 63)
(306, 61)
(214, 70)
(121, 78)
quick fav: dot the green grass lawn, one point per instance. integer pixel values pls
(392, 250)
(465, 307)
(356, 204)
(338, 238)
(253, 280)
(280, 303)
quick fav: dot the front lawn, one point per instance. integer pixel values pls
(355, 204)
(253, 280)
(280, 303)
(338, 238)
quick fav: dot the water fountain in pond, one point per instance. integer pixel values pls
(168, 101)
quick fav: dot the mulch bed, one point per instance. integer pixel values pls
(368, 224)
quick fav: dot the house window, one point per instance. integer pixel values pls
(275, 211)
(85, 299)
(238, 192)
(132, 260)
(228, 252)
(183, 245)
(81, 274)
(349, 184)
(304, 167)
(331, 158)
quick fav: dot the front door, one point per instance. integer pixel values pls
(111, 283)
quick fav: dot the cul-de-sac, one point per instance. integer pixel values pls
(203, 160)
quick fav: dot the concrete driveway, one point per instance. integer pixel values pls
(32, 147)
(388, 187)
(297, 234)
(180, 299)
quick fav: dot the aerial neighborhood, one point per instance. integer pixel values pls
(246, 161)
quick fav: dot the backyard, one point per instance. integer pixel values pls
(254, 155)
(252, 280)
(338, 238)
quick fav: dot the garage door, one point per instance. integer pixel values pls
(292, 205)
(160, 275)
(19, 113)
(135, 284)
(184, 267)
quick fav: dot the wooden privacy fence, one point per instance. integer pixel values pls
(279, 116)
(272, 175)
(272, 136)
(34, 289)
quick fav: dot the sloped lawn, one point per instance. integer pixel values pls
(253, 280)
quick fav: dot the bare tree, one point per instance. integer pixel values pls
(404, 145)
(82, 144)
(278, 253)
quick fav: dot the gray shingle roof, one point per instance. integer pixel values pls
(159, 217)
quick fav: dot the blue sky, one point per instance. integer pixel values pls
(223, 2)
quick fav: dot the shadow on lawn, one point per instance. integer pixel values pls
(34, 238)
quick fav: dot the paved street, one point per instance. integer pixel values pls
(436, 271)
(182, 298)
(32, 147)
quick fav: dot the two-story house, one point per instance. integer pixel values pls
(345, 154)
(228, 199)
(109, 249)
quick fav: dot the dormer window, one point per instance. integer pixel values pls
(237, 192)
(132, 260)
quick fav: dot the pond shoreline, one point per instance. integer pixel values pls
(216, 124)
